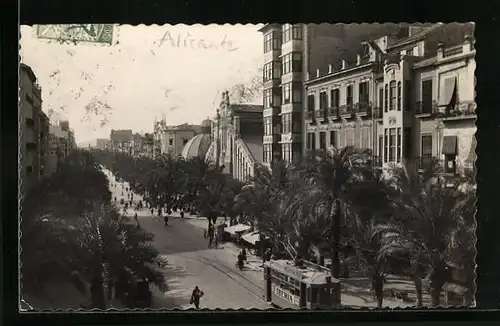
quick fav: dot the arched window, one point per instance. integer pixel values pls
(399, 96)
(386, 97)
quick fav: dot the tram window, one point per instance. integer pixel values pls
(314, 295)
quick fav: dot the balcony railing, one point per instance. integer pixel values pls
(333, 112)
(346, 110)
(426, 107)
(319, 114)
(363, 107)
(462, 109)
(310, 115)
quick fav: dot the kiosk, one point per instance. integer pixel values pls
(307, 286)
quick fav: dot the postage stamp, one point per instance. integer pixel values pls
(93, 33)
(295, 166)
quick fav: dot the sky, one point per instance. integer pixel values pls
(148, 71)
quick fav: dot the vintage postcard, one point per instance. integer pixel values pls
(267, 166)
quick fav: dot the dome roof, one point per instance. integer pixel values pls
(206, 123)
(196, 147)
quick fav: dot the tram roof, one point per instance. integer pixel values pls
(308, 273)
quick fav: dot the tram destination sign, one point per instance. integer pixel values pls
(286, 295)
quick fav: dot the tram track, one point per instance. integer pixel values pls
(250, 286)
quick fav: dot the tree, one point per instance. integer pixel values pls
(427, 211)
(71, 232)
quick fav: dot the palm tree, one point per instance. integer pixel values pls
(70, 231)
(324, 185)
(427, 208)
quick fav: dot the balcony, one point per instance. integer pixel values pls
(334, 112)
(310, 116)
(270, 139)
(462, 110)
(346, 110)
(363, 108)
(423, 108)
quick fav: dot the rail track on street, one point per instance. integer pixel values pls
(230, 274)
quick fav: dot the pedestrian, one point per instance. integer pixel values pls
(135, 217)
(196, 296)
(216, 244)
(210, 239)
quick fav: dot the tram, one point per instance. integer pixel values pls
(303, 286)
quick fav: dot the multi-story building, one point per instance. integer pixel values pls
(174, 138)
(148, 145)
(62, 139)
(43, 140)
(122, 140)
(236, 140)
(30, 108)
(373, 96)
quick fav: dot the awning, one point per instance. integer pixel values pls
(238, 228)
(450, 145)
(471, 159)
(252, 237)
(448, 91)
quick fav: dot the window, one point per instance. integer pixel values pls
(407, 95)
(170, 141)
(323, 100)
(426, 96)
(409, 52)
(185, 141)
(392, 95)
(268, 98)
(392, 144)
(309, 138)
(334, 97)
(272, 41)
(380, 146)
(297, 122)
(386, 145)
(333, 138)
(386, 98)
(399, 96)
(267, 152)
(292, 93)
(292, 32)
(286, 123)
(349, 95)
(407, 142)
(426, 150)
(310, 103)
(291, 62)
(287, 152)
(272, 70)
(398, 157)
(29, 169)
(322, 140)
(364, 93)
(268, 126)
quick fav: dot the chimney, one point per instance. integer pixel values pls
(330, 69)
(344, 64)
(440, 50)
(468, 43)
(358, 59)
(317, 73)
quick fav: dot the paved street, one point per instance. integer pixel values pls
(191, 263)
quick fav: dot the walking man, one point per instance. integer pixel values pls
(196, 296)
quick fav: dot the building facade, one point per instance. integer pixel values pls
(237, 134)
(44, 138)
(407, 96)
(103, 144)
(30, 108)
(122, 140)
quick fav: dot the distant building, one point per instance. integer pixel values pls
(148, 145)
(137, 146)
(44, 138)
(121, 140)
(103, 144)
(172, 139)
(32, 124)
